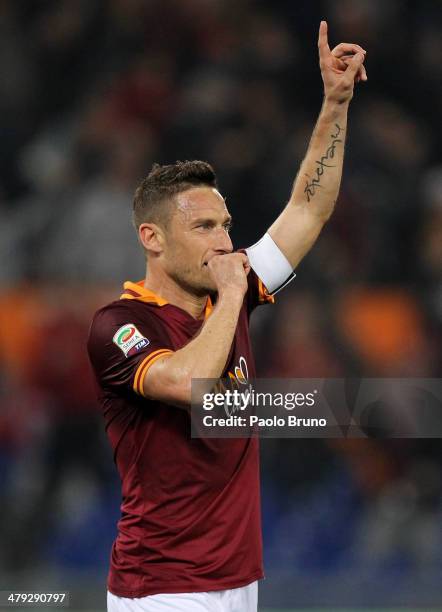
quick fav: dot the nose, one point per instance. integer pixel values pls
(223, 244)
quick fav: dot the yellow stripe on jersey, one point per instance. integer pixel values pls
(264, 295)
(144, 366)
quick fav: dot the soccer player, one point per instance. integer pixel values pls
(189, 537)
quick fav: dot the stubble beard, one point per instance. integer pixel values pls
(183, 279)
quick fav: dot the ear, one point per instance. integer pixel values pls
(151, 237)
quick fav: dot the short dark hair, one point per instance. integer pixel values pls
(154, 195)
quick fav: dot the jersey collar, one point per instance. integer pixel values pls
(137, 291)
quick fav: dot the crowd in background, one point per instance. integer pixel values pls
(92, 93)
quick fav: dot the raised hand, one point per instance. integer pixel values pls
(340, 68)
(230, 272)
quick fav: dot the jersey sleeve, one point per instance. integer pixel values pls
(257, 293)
(122, 347)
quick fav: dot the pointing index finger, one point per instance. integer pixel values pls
(322, 38)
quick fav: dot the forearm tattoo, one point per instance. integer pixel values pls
(315, 182)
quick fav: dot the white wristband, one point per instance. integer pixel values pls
(270, 264)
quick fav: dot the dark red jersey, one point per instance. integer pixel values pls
(190, 507)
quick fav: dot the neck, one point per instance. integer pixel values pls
(167, 288)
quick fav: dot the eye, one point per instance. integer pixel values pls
(228, 226)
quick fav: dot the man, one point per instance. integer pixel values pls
(189, 537)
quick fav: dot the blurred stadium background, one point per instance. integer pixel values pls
(92, 92)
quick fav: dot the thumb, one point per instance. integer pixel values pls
(354, 64)
(243, 257)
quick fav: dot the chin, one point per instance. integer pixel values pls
(199, 289)
(206, 286)
(205, 290)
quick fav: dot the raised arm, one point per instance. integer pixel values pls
(316, 186)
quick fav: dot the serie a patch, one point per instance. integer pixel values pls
(129, 339)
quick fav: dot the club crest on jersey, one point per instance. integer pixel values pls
(129, 339)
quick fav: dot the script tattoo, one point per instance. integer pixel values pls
(310, 186)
